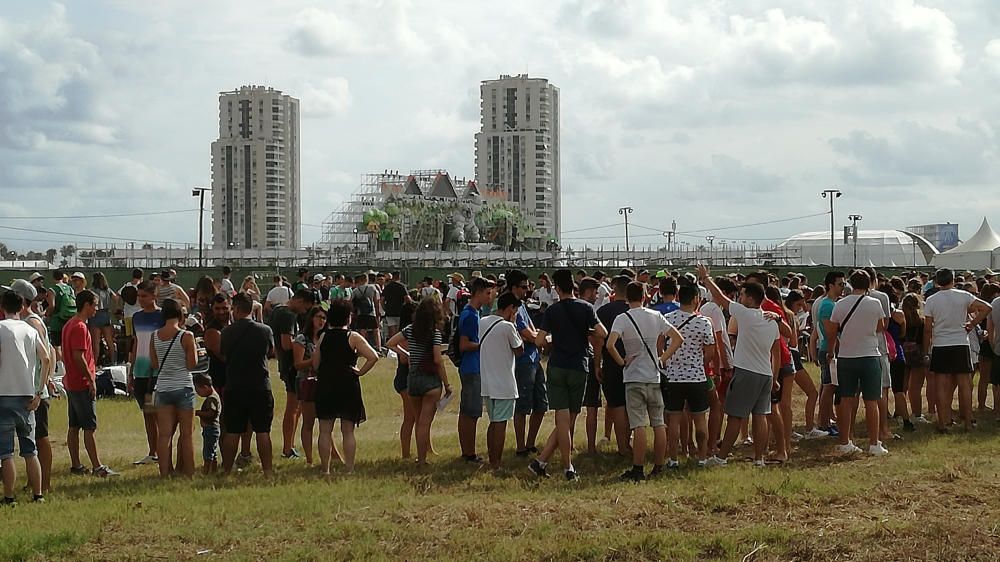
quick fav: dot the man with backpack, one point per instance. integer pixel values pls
(467, 336)
(364, 297)
(61, 302)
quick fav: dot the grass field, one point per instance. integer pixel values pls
(933, 498)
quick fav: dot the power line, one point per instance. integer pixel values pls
(716, 229)
(103, 216)
(78, 235)
(591, 228)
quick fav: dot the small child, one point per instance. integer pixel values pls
(210, 413)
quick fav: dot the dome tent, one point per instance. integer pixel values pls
(980, 251)
(879, 248)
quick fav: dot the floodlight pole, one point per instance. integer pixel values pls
(854, 231)
(199, 192)
(625, 212)
(831, 194)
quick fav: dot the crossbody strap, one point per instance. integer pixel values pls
(169, 347)
(643, 340)
(840, 329)
(488, 330)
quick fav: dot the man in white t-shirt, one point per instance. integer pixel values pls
(687, 382)
(946, 334)
(643, 332)
(279, 295)
(603, 290)
(226, 284)
(756, 361)
(499, 346)
(854, 328)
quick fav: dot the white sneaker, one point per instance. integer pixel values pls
(672, 463)
(715, 461)
(759, 463)
(921, 419)
(848, 449)
(796, 436)
(816, 433)
(877, 450)
(148, 459)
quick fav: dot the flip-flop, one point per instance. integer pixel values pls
(774, 461)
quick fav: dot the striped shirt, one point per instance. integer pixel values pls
(173, 373)
(419, 350)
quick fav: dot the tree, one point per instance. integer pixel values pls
(3, 251)
(50, 255)
(67, 252)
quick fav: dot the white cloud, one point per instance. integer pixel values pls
(331, 96)
(317, 32)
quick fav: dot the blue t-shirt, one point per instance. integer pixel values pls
(570, 322)
(468, 326)
(666, 308)
(824, 313)
(522, 321)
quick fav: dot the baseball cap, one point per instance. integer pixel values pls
(35, 276)
(661, 274)
(78, 275)
(24, 289)
(319, 277)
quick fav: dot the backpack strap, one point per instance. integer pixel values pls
(644, 344)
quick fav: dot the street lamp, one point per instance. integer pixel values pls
(854, 231)
(711, 249)
(199, 192)
(625, 212)
(831, 194)
(356, 240)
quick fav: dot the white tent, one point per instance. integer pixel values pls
(877, 248)
(981, 251)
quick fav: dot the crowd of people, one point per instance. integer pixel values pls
(701, 363)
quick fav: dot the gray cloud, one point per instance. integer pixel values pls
(919, 154)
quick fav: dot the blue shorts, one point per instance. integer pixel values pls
(532, 395)
(182, 398)
(15, 422)
(499, 409)
(210, 441)
(471, 404)
(100, 320)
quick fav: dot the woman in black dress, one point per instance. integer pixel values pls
(338, 390)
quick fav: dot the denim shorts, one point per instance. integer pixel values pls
(471, 403)
(419, 384)
(210, 441)
(182, 398)
(532, 395)
(14, 422)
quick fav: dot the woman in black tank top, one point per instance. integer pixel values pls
(338, 388)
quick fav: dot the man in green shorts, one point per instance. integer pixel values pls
(572, 324)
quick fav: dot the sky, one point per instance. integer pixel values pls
(708, 112)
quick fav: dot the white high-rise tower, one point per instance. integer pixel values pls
(517, 147)
(255, 170)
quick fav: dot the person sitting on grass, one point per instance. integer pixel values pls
(642, 330)
(497, 354)
(209, 414)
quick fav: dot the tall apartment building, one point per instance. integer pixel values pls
(255, 171)
(517, 148)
